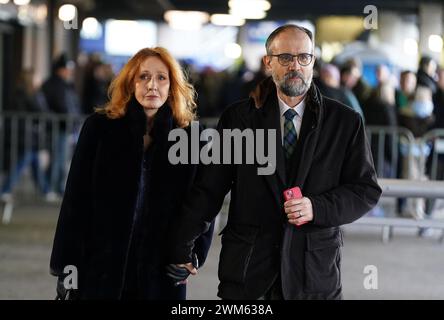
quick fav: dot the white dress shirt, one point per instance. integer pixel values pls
(297, 120)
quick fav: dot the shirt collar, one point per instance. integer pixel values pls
(299, 108)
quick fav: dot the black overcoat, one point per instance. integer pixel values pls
(96, 217)
(333, 166)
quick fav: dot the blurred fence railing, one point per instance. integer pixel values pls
(435, 140)
(42, 142)
(390, 146)
(24, 132)
(46, 141)
(398, 154)
(411, 189)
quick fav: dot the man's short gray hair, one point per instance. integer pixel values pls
(284, 28)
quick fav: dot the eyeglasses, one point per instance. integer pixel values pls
(304, 59)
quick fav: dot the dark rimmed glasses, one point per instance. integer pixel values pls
(304, 59)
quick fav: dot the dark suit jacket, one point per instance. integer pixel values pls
(96, 218)
(332, 165)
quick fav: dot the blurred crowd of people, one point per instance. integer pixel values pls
(410, 99)
(72, 90)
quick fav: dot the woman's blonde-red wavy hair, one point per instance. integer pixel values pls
(181, 97)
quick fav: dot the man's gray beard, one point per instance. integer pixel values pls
(294, 90)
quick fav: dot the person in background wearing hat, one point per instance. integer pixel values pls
(61, 99)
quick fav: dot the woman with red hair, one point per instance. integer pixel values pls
(122, 193)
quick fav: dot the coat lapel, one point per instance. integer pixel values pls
(310, 131)
(267, 117)
(265, 100)
(135, 122)
(303, 149)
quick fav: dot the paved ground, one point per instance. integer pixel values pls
(408, 267)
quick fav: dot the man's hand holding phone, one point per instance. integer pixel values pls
(297, 208)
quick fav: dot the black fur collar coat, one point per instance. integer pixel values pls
(95, 223)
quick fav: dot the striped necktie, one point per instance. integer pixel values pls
(290, 135)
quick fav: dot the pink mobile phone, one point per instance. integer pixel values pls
(293, 193)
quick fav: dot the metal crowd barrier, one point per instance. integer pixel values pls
(400, 140)
(23, 133)
(428, 149)
(24, 138)
(435, 139)
(411, 189)
(32, 131)
(396, 138)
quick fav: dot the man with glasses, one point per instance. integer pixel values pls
(272, 248)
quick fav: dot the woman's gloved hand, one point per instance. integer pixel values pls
(180, 272)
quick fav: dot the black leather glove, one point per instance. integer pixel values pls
(180, 274)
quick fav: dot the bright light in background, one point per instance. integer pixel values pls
(4, 1)
(435, 43)
(91, 28)
(21, 2)
(330, 50)
(249, 9)
(410, 46)
(186, 20)
(125, 38)
(250, 14)
(227, 20)
(24, 14)
(233, 50)
(67, 12)
(41, 13)
(247, 5)
(205, 48)
(29, 14)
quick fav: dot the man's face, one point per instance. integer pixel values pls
(292, 80)
(350, 78)
(408, 83)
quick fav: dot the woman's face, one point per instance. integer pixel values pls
(152, 84)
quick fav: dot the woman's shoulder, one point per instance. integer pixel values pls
(100, 117)
(95, 119)
(97, 122)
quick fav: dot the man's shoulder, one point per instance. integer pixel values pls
(335, 109)
(238, 107)
(237, 110)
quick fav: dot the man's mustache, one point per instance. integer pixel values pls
(294, 74)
